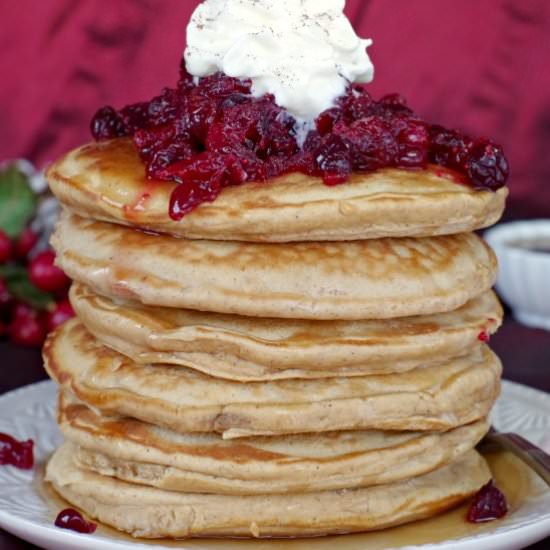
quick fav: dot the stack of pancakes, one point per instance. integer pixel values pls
(290, 360)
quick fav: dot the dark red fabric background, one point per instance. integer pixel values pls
(481, 65)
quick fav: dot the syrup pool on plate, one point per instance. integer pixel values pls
(518, 482)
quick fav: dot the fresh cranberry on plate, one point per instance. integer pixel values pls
(16, 453)
(73, 520)
(488, 504)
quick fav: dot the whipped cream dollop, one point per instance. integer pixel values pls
(304, 52)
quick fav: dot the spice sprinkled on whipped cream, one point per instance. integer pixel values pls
(303, 52)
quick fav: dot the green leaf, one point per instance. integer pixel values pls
(7, 271)
(17, 201)
(20, 287)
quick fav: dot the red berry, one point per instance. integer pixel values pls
(484, 336)
(28, 330)
(16, 453)
(449, 148)
(135, 116)
(487, 166)
(73, 520)
(6, 301)
(22, 311)
(63, 312)
(357, 104)
(414, 140)
(489, 504)
(333, 160)
(45, 275)
(327, 119)
(5, 247)
(371, 142)
(202, 180)
(107, 124)
(25, 243)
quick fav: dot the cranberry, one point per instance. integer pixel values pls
(357, 104)
(313, 141)
(5, 248)
(277, 138)
(152, 141)
(449, 148)
(27, 330)
(327, 119)
(107, 124)
(197, 115)
(220, 86)
(134, 117)
(488, 504)
(484, 336)
(201, 180)
(233, 100)
(186, 81)
(6, 300)
(303, 162)
(45, 275)
(390, 106)
(333, 160)
(74, 521)
(162, 109)
(260, 126)
(487, 166)
(23, 311)
(25, 243)
(63, 312)
(413, 139)
(371, 142)
(171, 153)
(16, 453)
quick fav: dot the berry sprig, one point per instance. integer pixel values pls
(33, 290)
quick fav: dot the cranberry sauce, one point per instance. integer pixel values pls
(16, 453)
(210, 133)
(488, 504)
(73, 520)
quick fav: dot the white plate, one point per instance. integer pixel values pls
(29, 413)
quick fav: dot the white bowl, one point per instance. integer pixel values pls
(524, 277)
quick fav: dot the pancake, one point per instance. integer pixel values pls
(106, 181)
(458, 392)
(249, 349)
(374, 279)
(153, 513)
(141, 453)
